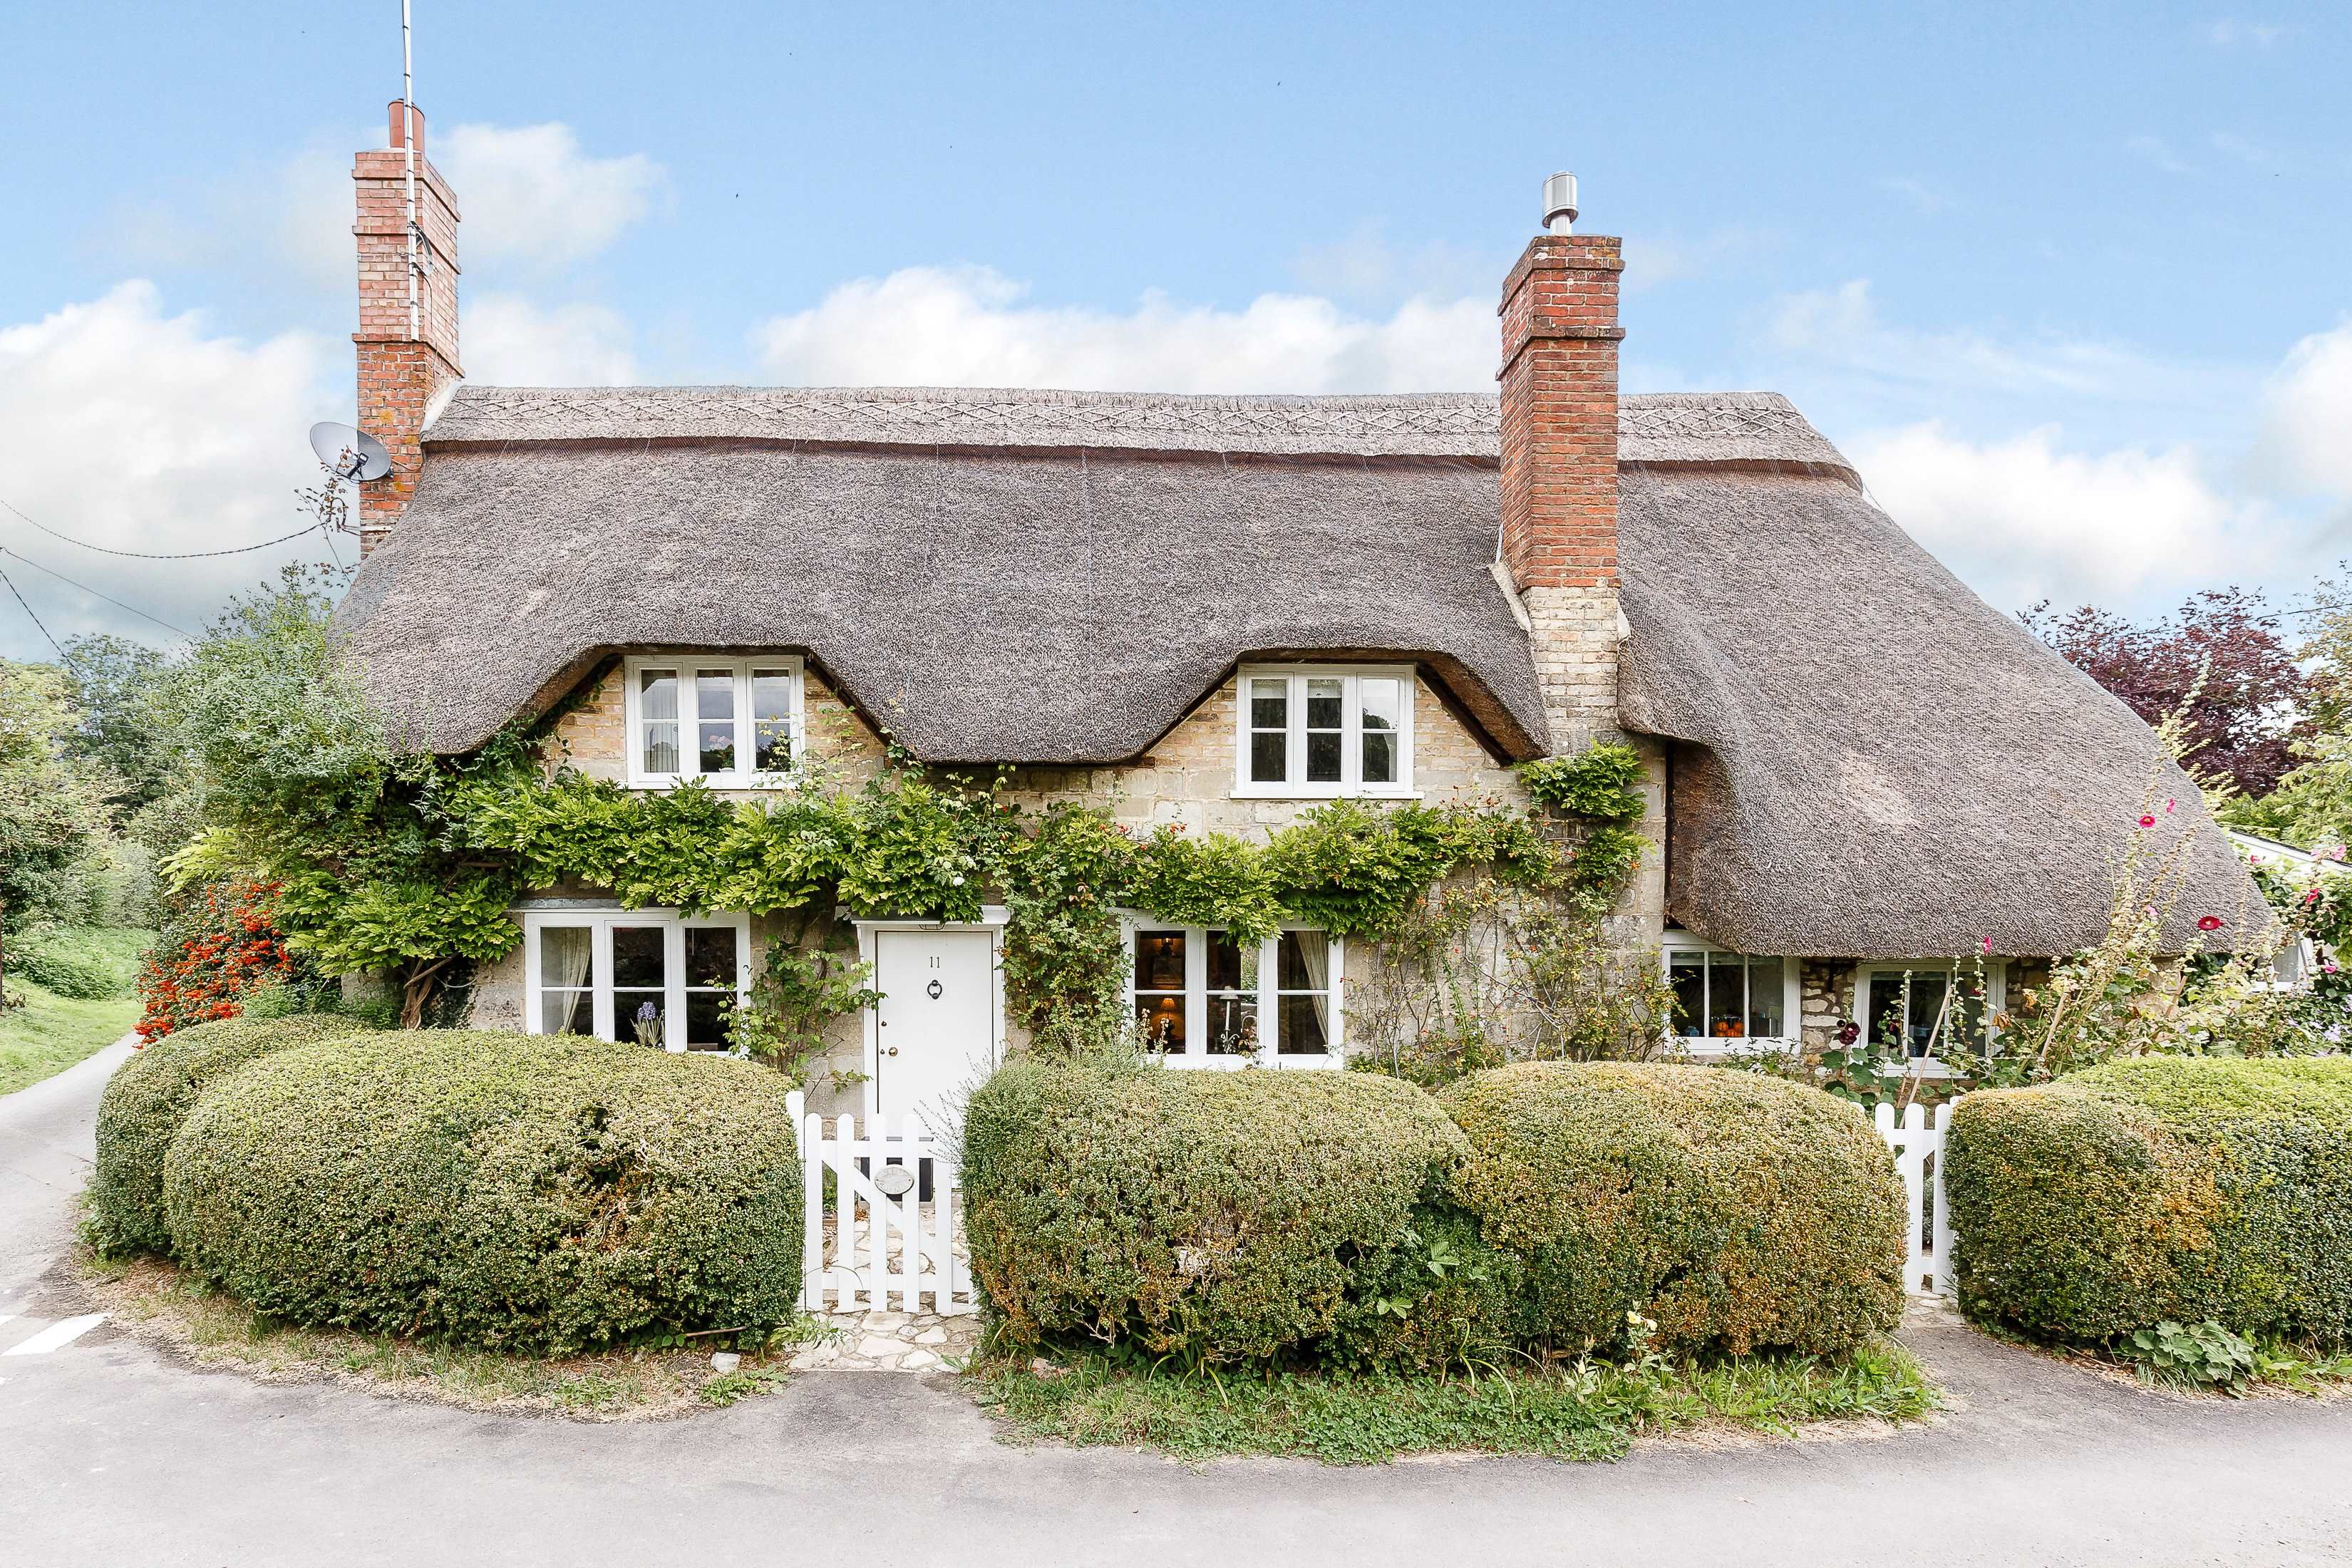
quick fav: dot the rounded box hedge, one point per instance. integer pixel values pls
(1740, 1212)
(544, 1195)
(147, 1098)
(2159, 1188)
(1215, 1216)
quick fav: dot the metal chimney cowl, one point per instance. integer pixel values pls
(1559, 204)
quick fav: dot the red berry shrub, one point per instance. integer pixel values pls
(219, 943)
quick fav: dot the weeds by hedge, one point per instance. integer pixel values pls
(543, 1194)
(1740, 1212)
(1209, 1217)
(145, 1102)
(2160, 1189)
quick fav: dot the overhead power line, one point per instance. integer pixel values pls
(94, 593)
(150, 555)
(29, 612)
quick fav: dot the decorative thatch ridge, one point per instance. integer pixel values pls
(1737, 428)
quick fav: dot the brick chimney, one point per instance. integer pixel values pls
(407, 357)
(1560, 463)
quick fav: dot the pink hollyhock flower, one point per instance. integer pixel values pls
(2169, 805)
(1988, 947)
(2148, 821)
(2312, 897)
(2208, 922)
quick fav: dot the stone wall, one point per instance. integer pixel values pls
(1825, 987)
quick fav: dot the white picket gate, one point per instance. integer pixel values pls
(881, 1243)
(1918, 1144)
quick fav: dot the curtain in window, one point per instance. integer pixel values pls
(1315, 957)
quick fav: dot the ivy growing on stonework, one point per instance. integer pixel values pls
(400, 863)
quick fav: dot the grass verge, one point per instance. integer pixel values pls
(180, 1312)
(1589, 1410)
(50, 1032)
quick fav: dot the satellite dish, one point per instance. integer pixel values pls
(352, 454)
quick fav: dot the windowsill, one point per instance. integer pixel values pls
(1324, 1062)
(1714, 1048)
(1314, 792)
(662, 784)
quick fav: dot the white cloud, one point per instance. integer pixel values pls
(2228, 34)
(2155, 149)
(2023, 520)
(130, 428)
(508, 341)
(2306, 436)
(1924, 198)
(1842, 327)
(968, 327)
(528, 193)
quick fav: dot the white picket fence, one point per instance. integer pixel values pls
(881, 1244)
(1918, 1144)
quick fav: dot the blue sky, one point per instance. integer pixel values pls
(2070, 283)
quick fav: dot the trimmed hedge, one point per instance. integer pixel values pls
(544, 1195)
(147, 1098)
(1217, 1217)
(1741, 1211)
(2160, 1188)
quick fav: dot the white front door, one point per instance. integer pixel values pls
(935, 1034)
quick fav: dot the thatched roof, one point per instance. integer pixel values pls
(1876, 763)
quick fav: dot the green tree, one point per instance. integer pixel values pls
(117, 731)
(53, 818)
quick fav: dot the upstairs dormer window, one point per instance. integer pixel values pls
(1315, 729)
(725, 721)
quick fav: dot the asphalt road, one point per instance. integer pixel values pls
(111, 1454)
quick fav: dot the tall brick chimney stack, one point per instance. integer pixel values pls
(403, 368)
(1560, 463)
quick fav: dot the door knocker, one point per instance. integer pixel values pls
(933, 990)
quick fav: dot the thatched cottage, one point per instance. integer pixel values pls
(1220, 611)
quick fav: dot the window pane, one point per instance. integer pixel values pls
(1323, 706)
(638, 959)
(1232, 1026)
(638, 1016)
(1884, 1017)
(1228, 971)
(1269, 757)
(661, 748)
(1380, 758)
(567, 1012)
(706, 1028)
(1766, 999)
(1927, 1022)
(1160, 961)
(772, 715)
(1162, 1021)
(1323, 756)
(1269, 704)
(714, 695)
(1303, 1020)
(1687, 972)
(716, 753)
(710, 956)
(1382, 700)
(1726, 1000)
(657, 695)
(567, 956)
(1303, 961)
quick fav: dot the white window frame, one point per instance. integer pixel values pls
(684, 666)
(601, 922)
(1196, 1054)
(1996, 973)
(1791, 1002)
(1351, 744)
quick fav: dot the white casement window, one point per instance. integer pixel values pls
(1730, 1001)
(652, 976)
(1324, 730)
(1904, 1006)
(727, 721)
(1209, 1001)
